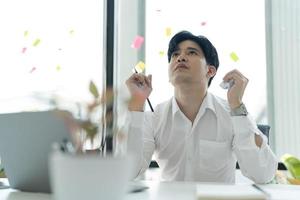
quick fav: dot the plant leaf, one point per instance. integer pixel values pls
(90, 129)
(93, 89)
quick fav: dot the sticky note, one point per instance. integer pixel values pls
(32, 70)
(25, 33)
(137, 42)
(58, 68)
(24, 49)
(234, 57)
(71, 32)
(168, 31)
(36, 42)
(140, 67)
(161, 53)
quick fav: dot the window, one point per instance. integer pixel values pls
(49, 47)
(233, 26)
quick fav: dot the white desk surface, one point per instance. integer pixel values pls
(163, 191)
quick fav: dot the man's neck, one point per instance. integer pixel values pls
(189, 100)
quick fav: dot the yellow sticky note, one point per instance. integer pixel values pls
(36, 42)
(25, 33)
(234, 57)
(161, 53)
(58, 68)
(168, 31)
(140, 67)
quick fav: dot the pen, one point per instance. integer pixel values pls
(149, 103)
(263, 191)
(139, 189)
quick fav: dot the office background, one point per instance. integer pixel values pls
(53, 48)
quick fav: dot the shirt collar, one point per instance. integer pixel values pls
(208, 103)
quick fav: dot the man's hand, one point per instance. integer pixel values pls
(236, 92)
(140, 88)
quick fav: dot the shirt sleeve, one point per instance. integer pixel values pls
(257, 163)
(140, 140)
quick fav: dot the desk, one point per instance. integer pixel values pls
(164, 191)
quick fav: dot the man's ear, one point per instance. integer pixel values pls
(211, 71)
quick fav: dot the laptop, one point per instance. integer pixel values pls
(25, 142)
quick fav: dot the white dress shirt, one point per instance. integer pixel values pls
(206, 150)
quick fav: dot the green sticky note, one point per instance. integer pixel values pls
(234, 57)
(36, 42)
(58, 68)
(25, 33)
(71, 32)
(161, 53)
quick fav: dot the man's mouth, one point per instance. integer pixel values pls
(180, 66)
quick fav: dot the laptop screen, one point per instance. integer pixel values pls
(25, 143)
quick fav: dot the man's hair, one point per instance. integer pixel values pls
(210, 52)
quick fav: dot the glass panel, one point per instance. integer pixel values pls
(233, 26)
(49, 47)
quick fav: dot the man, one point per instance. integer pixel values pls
(195, 135)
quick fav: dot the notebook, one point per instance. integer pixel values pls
(230, 192)
(25, 142)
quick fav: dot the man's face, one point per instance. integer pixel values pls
(188, 65)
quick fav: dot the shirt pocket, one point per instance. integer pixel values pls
(213, 156)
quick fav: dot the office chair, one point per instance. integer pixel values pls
(265, 129)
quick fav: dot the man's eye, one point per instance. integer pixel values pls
(175, 54)
(192, 53)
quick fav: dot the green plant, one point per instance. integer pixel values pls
(292, 164)
(95, 118)
(2, 175)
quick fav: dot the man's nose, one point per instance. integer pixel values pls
(181, 58)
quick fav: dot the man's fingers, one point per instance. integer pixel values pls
(148, 80)
(236, 75)
(229, 75)
(139, 79)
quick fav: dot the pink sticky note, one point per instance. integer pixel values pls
(24, 49)
(32, 70)
(203, 23)
(137, 42)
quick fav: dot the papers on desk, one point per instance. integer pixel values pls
(229, 192)
(3, 185)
